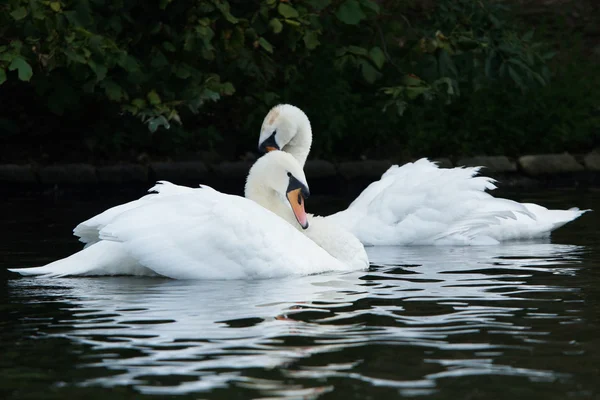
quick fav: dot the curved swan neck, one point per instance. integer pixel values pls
(266, 197)
(299, 145)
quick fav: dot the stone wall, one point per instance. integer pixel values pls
(347, 178)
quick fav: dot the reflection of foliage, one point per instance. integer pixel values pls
(220, 64)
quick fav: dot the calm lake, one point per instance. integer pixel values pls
(514, 321)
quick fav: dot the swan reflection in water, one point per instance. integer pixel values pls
(212, 331)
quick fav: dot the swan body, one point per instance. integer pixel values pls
(200, 233)
(419, 203)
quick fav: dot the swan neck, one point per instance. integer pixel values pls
(299, 146)
(269, 199)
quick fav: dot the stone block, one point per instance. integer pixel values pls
(548, 164)
(319, 169)
(592, 161)
(490, 163)
(122, 173)
(371, 169)
(443, 162)
(68, 174)
(14, 173)
(185, 171)
(233, 170)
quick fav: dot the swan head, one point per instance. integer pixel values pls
(284, 128)
(281, 173)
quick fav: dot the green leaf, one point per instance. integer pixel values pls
(168, 46)
(113, 91)
(159, 60)
(139, 103)
(208, 94)
(153, 98)
(311, 40)
(287, 11)
(519, 63)
(183, 71)
(128, 63)
(228, 89)
(515, 77)
(55, 6)
(350, 12)
(549, 55)
(292, 22)
(377, 56)
(265, 44)
(370, 5)
(411, 80)
(276, 25)
(95, 43)
(412, 92)
(495, 21)
(319, 5)
(19, 13)
(368, 71)
(72, 56)
(2, 76)
(155, 123)
(24, 69)
(359, 51)
(528, 36)
(224, 8)
(99, 69)
(539, 78)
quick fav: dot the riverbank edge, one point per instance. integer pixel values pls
(528, 171)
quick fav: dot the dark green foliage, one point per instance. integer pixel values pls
(113, 79)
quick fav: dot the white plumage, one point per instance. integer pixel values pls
(419, 203)
(200, 233)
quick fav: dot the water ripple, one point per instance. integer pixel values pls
(419, 318)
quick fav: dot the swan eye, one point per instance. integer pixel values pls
(289, 174)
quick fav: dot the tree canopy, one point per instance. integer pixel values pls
(108, 79)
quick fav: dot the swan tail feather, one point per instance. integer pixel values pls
(103, 258)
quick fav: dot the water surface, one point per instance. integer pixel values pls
(519, 320)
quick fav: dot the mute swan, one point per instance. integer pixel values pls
(200, 233)
(419, 203)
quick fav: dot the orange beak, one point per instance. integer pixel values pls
(270, 148)
(297, 202)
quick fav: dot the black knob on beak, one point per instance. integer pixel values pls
(269, 144)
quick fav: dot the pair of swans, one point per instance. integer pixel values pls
(200, 233)
(419, 203)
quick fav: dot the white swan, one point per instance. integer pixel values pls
(200, 233)
(419, 203)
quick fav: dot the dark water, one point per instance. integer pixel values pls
(514, 321)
